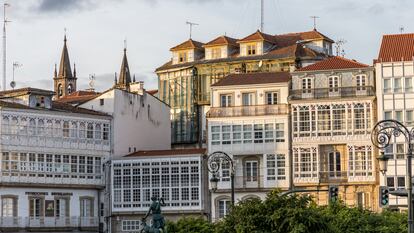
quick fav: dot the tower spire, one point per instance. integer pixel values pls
(124, 75)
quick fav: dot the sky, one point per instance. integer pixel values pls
(96, 31)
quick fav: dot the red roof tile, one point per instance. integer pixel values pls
(258, 35)
(167, 152)
(253, 78)
(334, 63)
(78, 97)
(397, 47)
(189, 44)
(222, 40)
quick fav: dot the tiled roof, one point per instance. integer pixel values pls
(221, 40)
(309, 35)
(397, 47)
(253, 78)
(152, 92)
(26, 90)
(79, 97)
(189, 44)
(167, 152)
(258, 35)
(334, 63)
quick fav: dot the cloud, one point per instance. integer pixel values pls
(64, 5)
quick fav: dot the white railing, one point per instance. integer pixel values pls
(46, 222)
(336, 177)
(251, 110)
(24, 177)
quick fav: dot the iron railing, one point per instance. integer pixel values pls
(334, 92)
(251, 110)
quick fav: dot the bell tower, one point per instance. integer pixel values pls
(64, 80)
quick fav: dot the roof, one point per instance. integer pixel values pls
(152, 92)
(258, 35)
(334, 63)
(78, 97)
(26, 90)
(221, 40)
(124, 74)
(253, 78)
(305, 36)
(65, 70)
(167, 152)
(189, 44)
(396, 47)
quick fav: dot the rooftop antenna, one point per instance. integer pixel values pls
(5, 21)
(125, 43)
(262, 15)
(401, 29)
(339, 50)
(92, 82)
(15, 66)
(314, 17)
(191, 24)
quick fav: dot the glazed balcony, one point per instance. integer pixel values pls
(251, 110)
(51, 178)
(336, 92)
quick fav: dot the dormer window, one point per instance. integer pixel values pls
(182, 57)
(361, 82)
(251, 49)
(215, 53)
(307, 85)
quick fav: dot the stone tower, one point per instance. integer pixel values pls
(124, 79)
(64, 81)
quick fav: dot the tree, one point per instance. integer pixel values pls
(194, 225)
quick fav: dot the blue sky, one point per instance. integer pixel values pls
(96, 30)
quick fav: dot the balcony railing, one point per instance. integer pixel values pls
(251, 182)
(252, 110)
(335, 92)
(335, 177)
(49, 222)
(51, 178)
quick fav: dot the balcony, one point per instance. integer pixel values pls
(253, 183)
(337, 92)
(252, 110)
(49, 222)
(42, 178)
(335, 177)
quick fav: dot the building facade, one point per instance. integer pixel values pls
(184, 82)
(51, 175)
(333, 112)
(177, 176)
(249, 120)
(394, 80)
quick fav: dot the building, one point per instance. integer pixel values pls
(184, 81)
(333, 112)
(249, 120)
(52, 153)
(64, 82)
(178, 176)
(394, 70)
(140, 121)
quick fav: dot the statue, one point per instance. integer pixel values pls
(158, 222)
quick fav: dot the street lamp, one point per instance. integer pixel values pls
(382, 162)
(381, 137)
(215, 162)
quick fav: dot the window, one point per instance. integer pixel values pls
(223, 208)
(387, 85)
(225, 171)
(271, 167)
(360, 161)
(333, 84)
(89, 132)
(307, 85)
(251, 171)
(258, 133)
(101, 102)
(251, 49)
(397, 85)
(361, 82)
(305, 163)
(271, 98)
(338, 119)
(82, 130)
(400, 152)
(247, 99)
(390, 183)
(182, 57)
(269, 132)
(387, 115)
(324, 120)
(7, 207)
(35, 205)
(409, 120)
(399, 116)
(131, 225)
(226, 134)
(334, 162)
(86, 207)
(408, 84)
(237, 134)
(215, 53)
(225, 100)
(98, 132)
(280, 132)
(247, 133)
(400, 182)
(389, 151)
(215, 135)
(304, 121)
(359, 117)
(281, 167)
(65, 129)
(105, 134)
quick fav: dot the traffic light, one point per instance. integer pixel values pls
(384, 197)
(333, 193)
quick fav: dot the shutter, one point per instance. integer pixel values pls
(15, 207)
(31, 207)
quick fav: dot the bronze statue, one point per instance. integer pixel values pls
(158, 222)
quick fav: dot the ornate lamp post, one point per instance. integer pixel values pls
(215, 162)
(381, 137)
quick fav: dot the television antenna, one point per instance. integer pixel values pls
(191, 24)
(401, 28)
(92, 78)
(314, 17)
(15, 66)
(262, 15)
(339, 47)
(5, 21)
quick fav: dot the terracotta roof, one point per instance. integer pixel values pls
(397, 47)
(167, 152)
(152, 92)
(189, 44)
(257, 36)
(78, 97)
(306, 36)
(253, 78)
(221, 40)
(26, 90)
(334, 63)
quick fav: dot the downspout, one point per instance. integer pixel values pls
(290, 139)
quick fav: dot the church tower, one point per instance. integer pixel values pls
(124, 79)
(64, 81)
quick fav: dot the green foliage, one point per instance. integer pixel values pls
(295, 214)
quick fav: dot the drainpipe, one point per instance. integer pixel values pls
(290, 151)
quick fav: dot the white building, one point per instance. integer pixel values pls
(249, 120)
(178, 176)
(395, 96)
(51, 163)
(333, 112)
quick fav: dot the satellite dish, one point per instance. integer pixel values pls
(260, 64)
(13, 84)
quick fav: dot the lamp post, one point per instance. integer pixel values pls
(381, 137)
(215, 162)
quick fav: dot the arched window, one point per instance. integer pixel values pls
(32, 127)
(89, 132)
(40, 127)
(60, 90)
(82, 130)
(98, 131)
(5, 124)
(57, 129)
(49, 128)
(70, 88)
(74, 130)
(23, 126)
(65, 129)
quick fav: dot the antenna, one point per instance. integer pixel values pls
(92, 82)
(262, 15)
(314, 17)
(5, 21)
(125, 43)
(191, 24)
(401, 29)
(339, 50)
(15, 66)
